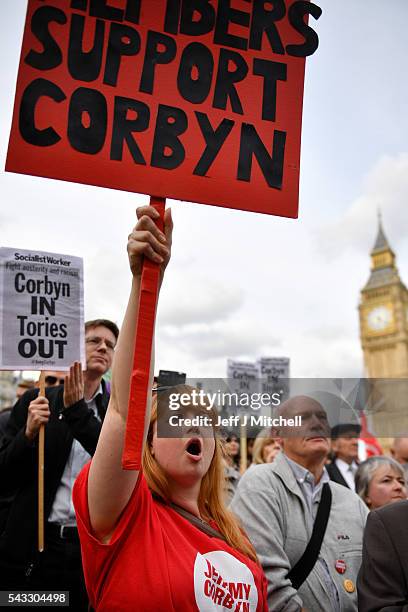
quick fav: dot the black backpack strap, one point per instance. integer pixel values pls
(191, 518)
(304, 566)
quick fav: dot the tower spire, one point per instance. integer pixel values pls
(383, 268)
(381, 242)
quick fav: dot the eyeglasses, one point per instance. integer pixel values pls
(95, 341)
(53, 380)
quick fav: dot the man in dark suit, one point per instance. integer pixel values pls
(72, 414)
(383, 579)
(345, 449)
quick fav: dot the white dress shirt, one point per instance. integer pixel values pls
(347, 471)
(62, 511)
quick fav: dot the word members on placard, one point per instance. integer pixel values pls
(42, 294)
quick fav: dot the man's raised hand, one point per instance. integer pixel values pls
(73, 385)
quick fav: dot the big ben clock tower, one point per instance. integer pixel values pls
(384, 315)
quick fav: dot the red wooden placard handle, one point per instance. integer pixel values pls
(139, 384)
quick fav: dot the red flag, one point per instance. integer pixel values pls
(368, 443)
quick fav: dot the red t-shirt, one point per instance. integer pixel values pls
(158, 561)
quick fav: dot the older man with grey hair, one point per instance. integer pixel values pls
(306, 529)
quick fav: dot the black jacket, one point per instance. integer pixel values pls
(335, 474)
(383, 579)
(4, 417)
(19, 466)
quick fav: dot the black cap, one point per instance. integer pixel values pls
(345, 429)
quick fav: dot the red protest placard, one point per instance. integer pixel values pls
(196, 100)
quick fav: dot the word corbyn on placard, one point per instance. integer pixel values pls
(169, 85)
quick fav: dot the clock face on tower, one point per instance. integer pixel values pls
(379, 318)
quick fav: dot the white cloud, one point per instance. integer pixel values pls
(195, 298)
(203, 349)
(238, 339)
(326, 353)
(385, 188)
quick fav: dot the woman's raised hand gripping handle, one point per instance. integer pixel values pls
(109, 486)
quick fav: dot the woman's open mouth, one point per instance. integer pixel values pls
(194, 449)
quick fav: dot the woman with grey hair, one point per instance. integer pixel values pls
(380, 481)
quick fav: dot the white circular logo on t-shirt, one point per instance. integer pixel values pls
(221, 582)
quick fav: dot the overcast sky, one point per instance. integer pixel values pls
(244, 285)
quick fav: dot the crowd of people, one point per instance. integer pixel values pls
(305, 527)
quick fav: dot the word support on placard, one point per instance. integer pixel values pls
(195, 100)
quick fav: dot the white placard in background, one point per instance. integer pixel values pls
(42, 310)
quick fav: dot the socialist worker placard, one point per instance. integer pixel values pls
(42, 305)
